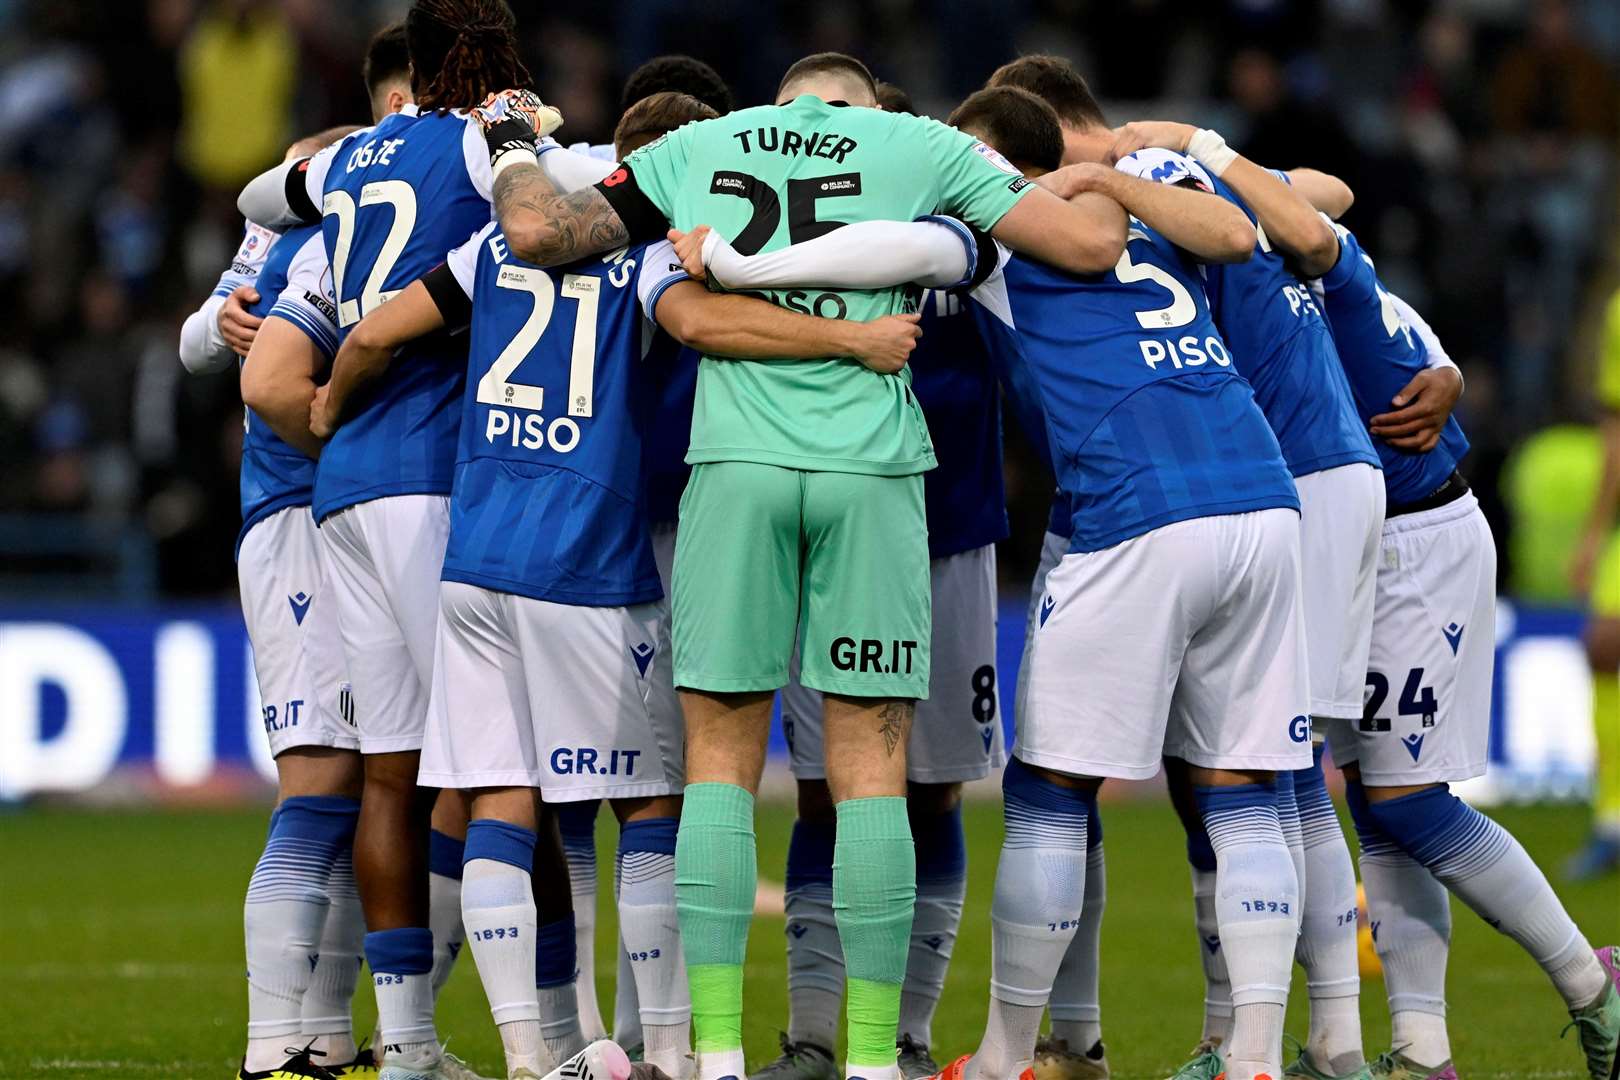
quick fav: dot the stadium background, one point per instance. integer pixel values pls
(1481, 138)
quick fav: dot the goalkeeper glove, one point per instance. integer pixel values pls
(513, 121)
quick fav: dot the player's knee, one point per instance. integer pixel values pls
(931, 800)
(646, 809)
(318, 770)
(816, 802)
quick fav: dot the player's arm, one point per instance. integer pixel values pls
(1083, 235)
(1424, 404)
(937, 253)
(1199, 222)
(1323, 190)
(286, 195)
(278, 382)
(368, 350)
(722, 325)
(1291, 223)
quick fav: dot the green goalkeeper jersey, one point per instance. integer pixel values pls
(777, 175)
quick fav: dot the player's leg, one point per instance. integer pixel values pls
(1072, 1052)
(447, 852)
(1441, 564)
(1217, 1026)
(384, 557)
(865, 630)
(735, 611)
(1101, 717)
(297, 885)
(815, 958)
(649, 929)
(1601, 854)
(577, 823)
(1341, 522)
(1238, 718)
(956, 737)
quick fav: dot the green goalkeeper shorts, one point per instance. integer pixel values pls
(841, 559)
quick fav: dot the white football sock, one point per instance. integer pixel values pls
(559, 1020)
(1293, 836)
(497, 908)
(815, 954)
(327, 1015)
(1035, 913)
(1076, 1005)
(1256, 896)
(444, 917)
(401, 963)
(626, 1006)
(1217, 983)
(941, 885)
(577, 822)
(652, 939)
(1410, 915)
(1327, 945)
(284, 916)
(1491, 872)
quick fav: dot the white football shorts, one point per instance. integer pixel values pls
(956, 733)
(1427, 717)
(576, 701)
(384, 558)
(1185, 642)
(291, 617)
(1053, 547)
(1340, 525)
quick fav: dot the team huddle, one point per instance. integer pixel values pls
(563, 462)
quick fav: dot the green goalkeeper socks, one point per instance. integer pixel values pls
(874, 894)
(716, 872)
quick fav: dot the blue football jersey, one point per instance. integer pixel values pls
(274, 475)
(550, 492)
(1381, 354)
(956, 386)
(1280, 343)
(675, 369)
(395, 198)
(1147, 420)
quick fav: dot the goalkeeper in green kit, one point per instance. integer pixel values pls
(804, 513)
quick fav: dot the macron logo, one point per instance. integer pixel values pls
(1212, 942)
(300, 606)
(1047, 604)
(934, 942)
(1413, 744)
(1453, 635)
(987, 734)
(797, 929)
(642, 654)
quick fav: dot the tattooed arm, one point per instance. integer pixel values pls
(550, 229)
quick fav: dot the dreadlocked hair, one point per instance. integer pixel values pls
(461, 52)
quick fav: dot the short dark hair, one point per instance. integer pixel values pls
(893, 99)
(655, 115)
(681, 74)
(387, 57)
(1022, 127)
(827, 63)
(1058, 83)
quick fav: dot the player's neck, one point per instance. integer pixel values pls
(1086, 144)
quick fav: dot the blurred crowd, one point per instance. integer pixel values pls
(1479, 135)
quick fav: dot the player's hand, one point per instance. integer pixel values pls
(689, 249)
(236, 326)
(1421, 411)
(1077, 179)
(885, 344)
(1138, 134)
(520, 106)
(321, 421)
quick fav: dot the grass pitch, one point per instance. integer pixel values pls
(121, 951)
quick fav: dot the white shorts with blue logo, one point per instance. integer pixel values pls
(1427, 717)
(956, 733)
(383, 559)
(1185, 642)
(291, 618)
(576, 701)
(1341, 520)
